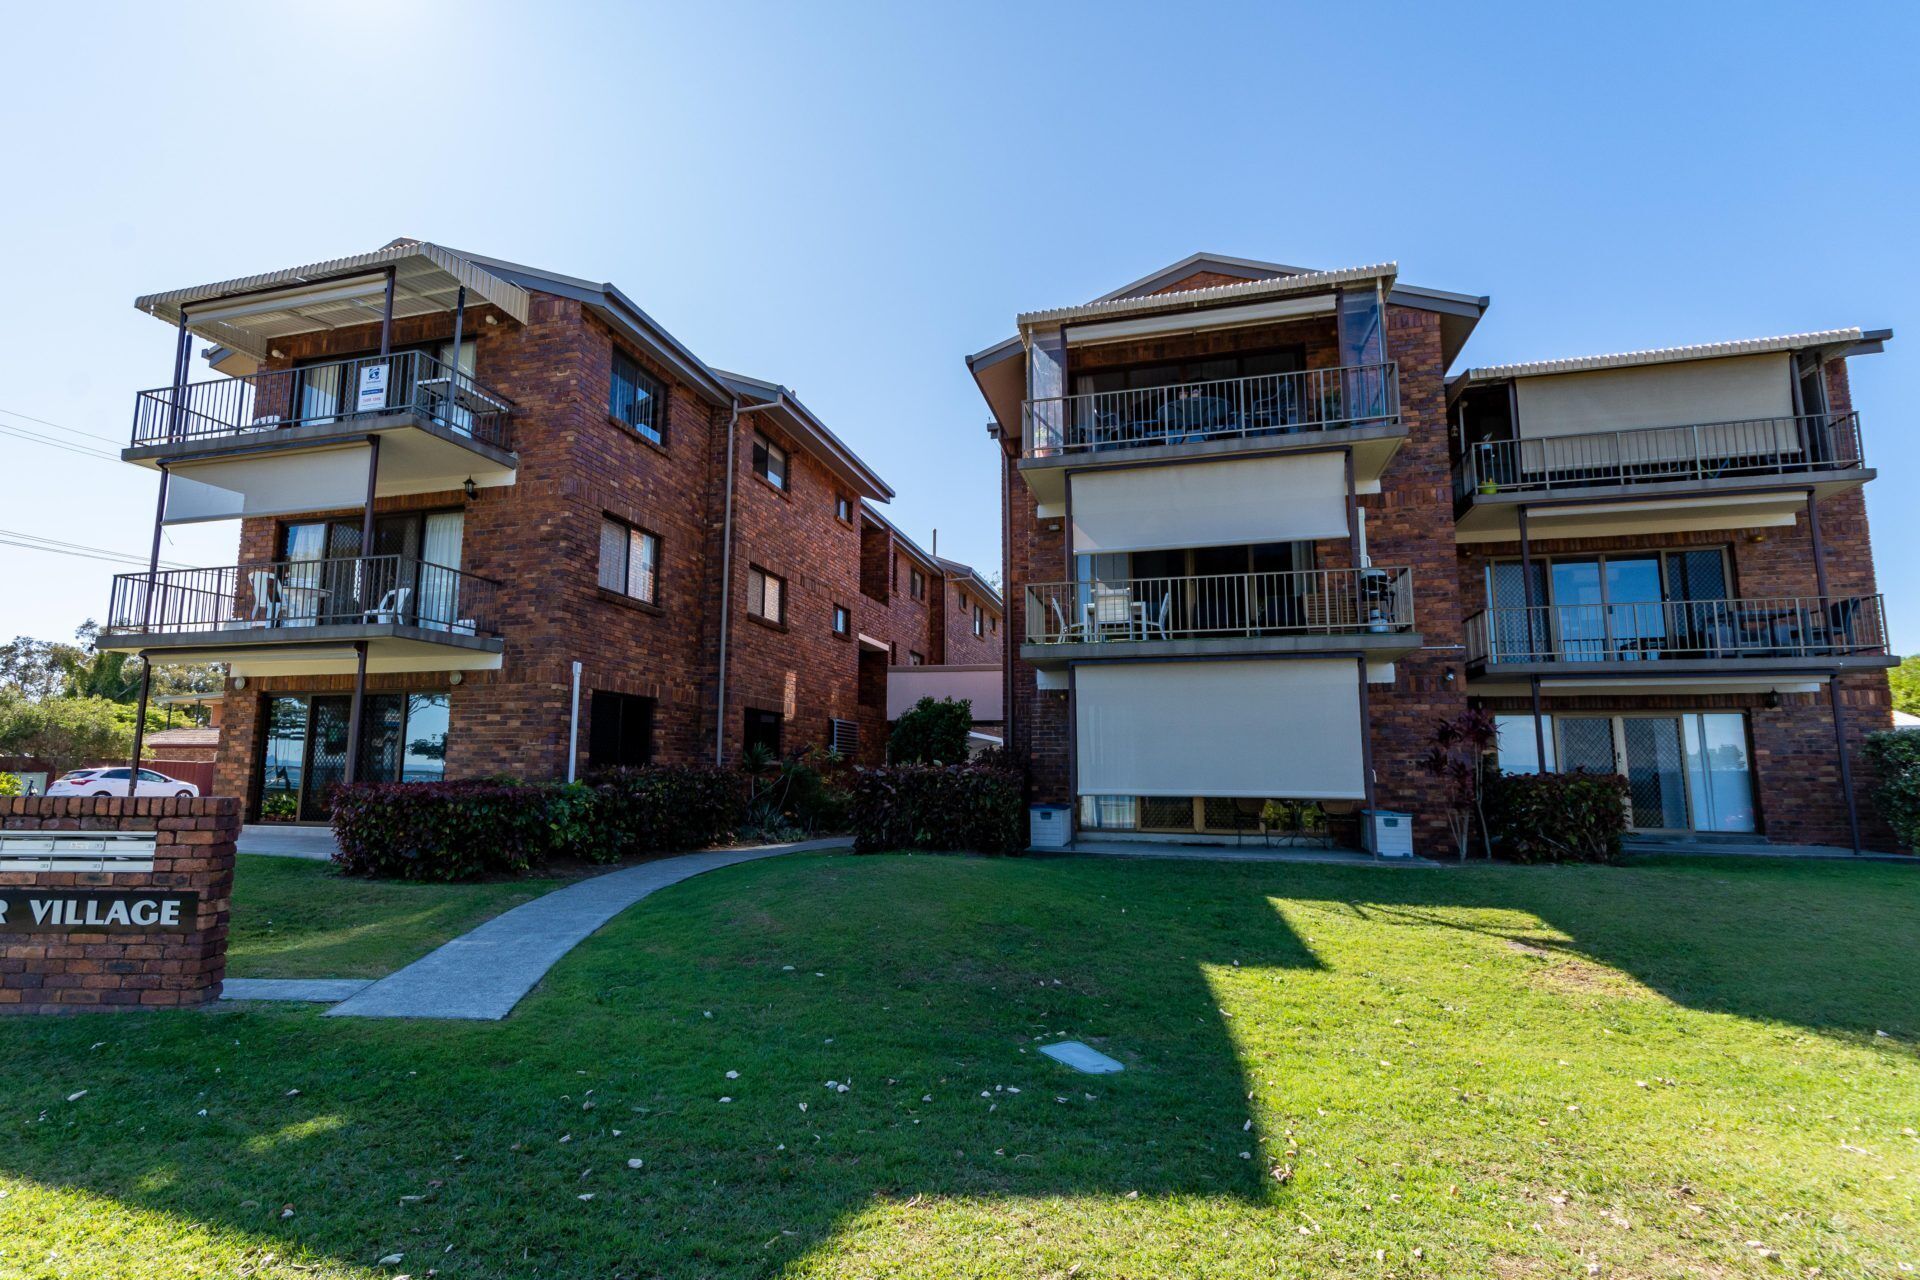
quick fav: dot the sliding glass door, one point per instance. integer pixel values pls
(304, 747)
(1685, 772)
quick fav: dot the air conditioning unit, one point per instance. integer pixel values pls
(1388, 834)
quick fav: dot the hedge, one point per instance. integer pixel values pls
(463, 830)
(1894, 757)
(1557, 817)
(939, 807)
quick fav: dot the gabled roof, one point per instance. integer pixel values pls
(952, 570)
(1216, 295)
(800, 422)
(959, 572)
(1844, 338)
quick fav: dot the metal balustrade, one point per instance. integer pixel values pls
(1779, 627)
(1660, 455)
(252, 406)
(288, 595)
(1295, 602)
(1274, 404)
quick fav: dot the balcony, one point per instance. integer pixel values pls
(304, 617)
(1311, 408)
(438, 427)
(1705, 640)
(1657, 479)
(1315, 611)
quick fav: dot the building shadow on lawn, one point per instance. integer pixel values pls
(885, 1045)
(1822, 946)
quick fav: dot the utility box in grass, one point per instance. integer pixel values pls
(1388, 834)
(1049, 826)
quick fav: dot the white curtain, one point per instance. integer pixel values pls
(439, 586)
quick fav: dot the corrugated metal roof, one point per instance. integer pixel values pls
(1666, 355)
(198, 736)
(427, 277)
(1247, 291)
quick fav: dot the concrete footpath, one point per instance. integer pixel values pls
(483, 974)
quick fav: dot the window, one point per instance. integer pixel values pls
(993, 623)
(761, 729)
(843, 508)
(979, 621)
(766, 595)
(423, 744)
(915, 659)
(842, 621)
(629, 560)
(769, 462)
(620, 732)
(638, 399)
(916, 584)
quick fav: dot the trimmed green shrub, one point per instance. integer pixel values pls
(1894, 757)
(939, 807)
(1557, 817)
(658, 808)
(464, 830)
(932, 731)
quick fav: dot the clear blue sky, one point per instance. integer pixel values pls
(850, 198)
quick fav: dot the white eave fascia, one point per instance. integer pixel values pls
(1669, 355)
(1217, 295)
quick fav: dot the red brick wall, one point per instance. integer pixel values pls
(1796, 760)
(539, 539)
(96, 969)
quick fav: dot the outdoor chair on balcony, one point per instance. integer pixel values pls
(1113, 611)
(392, 607)
(267, 603)
(1158, 623)
(1064, 632)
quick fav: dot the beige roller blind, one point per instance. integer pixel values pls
(1210, 504)
(1286, 728)
(268, 485)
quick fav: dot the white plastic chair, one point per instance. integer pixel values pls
(1159, 622)
(1061, 627)
(392, 607)
(266, 597)
(1112, 610)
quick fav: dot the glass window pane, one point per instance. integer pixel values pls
(1578, 624)
(1517, 748)
(425, 757)
(1656, 785)
(1719, 772)
(613, 555)
(642, 552)
(1586, 742)
(1635, 617)
(284, 758)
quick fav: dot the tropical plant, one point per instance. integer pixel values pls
(1457, 755)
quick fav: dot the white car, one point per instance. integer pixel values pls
(113, 782)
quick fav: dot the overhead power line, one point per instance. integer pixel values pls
(93, 435)
(59, 547)
(79, 450)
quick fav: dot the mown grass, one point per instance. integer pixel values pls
(293, 918)
(1701, 1068)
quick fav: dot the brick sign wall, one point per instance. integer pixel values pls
(92, 939)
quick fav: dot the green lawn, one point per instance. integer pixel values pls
(297, 919)
(1483, 1072)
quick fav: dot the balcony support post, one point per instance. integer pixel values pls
(386, 316)
(354, 716)
(1353, 539)
(1533, 685)
(1819, 547)
(182, 346)
(140, 715)
(1846, 769)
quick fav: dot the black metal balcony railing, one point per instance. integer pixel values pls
(288, 595)
(1784, 627)
(1310, 602)
(337, 392)
(1659, 455)
(1263, 405)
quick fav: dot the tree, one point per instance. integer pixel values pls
(932, 732)
(1457, 755)
(1905, 681)
(65, 732)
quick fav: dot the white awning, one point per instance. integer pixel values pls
(268, 485)
(1286, 728)
(248, 313)
(1286, 498)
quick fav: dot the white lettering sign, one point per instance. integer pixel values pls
(57, 909)
(373, 387)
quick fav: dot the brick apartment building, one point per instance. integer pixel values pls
(497, 520)
(1258, 542)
